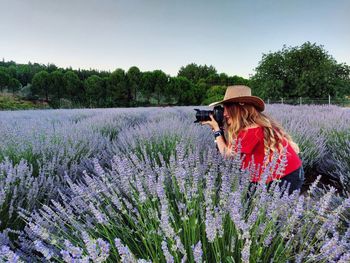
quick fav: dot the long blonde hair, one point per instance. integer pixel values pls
(245, 115)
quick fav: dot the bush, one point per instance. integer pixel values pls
(194, 210)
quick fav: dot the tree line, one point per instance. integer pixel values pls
(307, 71)
(92, 88)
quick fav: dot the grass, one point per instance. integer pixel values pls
(13, 102)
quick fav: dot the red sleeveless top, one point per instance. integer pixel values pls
(252, 146)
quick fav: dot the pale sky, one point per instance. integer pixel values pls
(167, 34)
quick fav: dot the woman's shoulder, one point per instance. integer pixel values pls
(251, 132)
(254, 129)
(251, 127)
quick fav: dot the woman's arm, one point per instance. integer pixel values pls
(222, 146)
(220, 140)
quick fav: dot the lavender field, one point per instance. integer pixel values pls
(147, 185)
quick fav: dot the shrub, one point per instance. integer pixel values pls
(192, 210)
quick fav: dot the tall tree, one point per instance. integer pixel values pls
(182, 89)
(40, 84)
(147, 85)
(117, 90)
(134, 76)
(307, 71)
(56, 84)
(196, 72)
(73, 85)
(94, 87)
(160, 82)
(14, 85)
(214, 93)
(4, 78)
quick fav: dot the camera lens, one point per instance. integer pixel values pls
(204, 115)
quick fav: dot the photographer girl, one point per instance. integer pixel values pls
(259, 136)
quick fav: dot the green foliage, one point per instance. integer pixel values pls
(147, 84)
(134, 76)
(160, 81)
(180, 88)
(94, 89)
(69, 88)
(14, 85)
(4, 78)
(56, 84)
(305, 71)
(14, 103)
(150, 150)
(117, 89)
(194, 72)
(215, 93)
(40, 84)
(73, 85)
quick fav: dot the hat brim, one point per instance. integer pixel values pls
(253, 100)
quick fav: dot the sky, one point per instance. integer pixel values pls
(231, 35)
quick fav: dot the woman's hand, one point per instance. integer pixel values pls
(212, 123)
(220, 140)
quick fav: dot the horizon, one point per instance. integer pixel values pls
(232, 36)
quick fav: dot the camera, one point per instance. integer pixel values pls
(217, 112)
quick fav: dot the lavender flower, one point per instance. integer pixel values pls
(197, 252)
(39, 246)
(168, 257)
(7, 254)
(246, 251)
(66, 150)
(124, 252)
(98, 249)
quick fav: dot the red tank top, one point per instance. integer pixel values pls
(252, 146)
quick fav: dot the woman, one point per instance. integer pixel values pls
(260, 137)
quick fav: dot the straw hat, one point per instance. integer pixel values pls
(241, 94)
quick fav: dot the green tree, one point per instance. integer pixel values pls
(12, 70)
(73, 85)
(14, 85)
(195, 72)
(117, 89)
(237, 80)
(134, 76)
(40, 84)
(147, 85)
(213, 79)
(214, 93)
(56, 83)
(4, 78)
(182, 89)
(306, 71)
(94, 87)
(26, 72)
(160, 82)
(224, 78)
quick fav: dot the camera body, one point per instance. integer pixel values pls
(217, 112)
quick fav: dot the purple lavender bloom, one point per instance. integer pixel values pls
(268, 240)
(235, 209)
(331, 248)
(7, 255)
(98, 249)
(70, 152)
(39, 246)
(345, 258)
(124, 252)
(197, 252)
(246, 251)
(168, 257)
(101, 217)
(76, 252)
